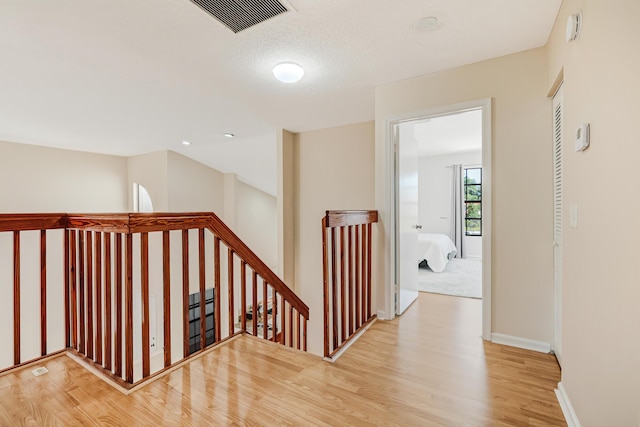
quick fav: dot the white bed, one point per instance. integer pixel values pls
(436, 249)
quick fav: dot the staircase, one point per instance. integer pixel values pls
(134, 295)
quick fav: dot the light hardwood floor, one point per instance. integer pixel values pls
(427, 368)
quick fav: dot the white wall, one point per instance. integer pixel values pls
(257, 222)
(601, 273)
(333, 170)
(522, 275)
(150, 171)
(40, 179)
(193, 187)
(434, 201)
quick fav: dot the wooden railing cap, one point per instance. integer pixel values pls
(350, 217)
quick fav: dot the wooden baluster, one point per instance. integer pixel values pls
(201, 277)
(325, 280)
(217, 295)
(107, 301)
(67, 291)
(350, 276)
(89, 278)
(334, 288)
(304, 335)
(16, 298)
(230, 286)
(298, 330)
(243, 295)
(73, 309)
(363, 283)
(98, 283)
(128, 303)
(81, 289)
(43, 292)
(166, 295)
(290, 325)
(185, 293)
(265, 311)
(119, 334)
(357, 274)
(369, 271)
(283, 329)
(254, 309)
(343, 289)
(144, 282)
(274, 315)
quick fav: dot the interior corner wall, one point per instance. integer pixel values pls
(522, 257)
(41, 179)
(285, 208)
(333, 170)
(150, 171)
(434, 189)
(601, 292)
(256, 222)
(434, 196)
(193, 187)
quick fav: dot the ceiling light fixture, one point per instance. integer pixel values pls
(229, 135)
(186, 143)
(429, 23)
(288, 72)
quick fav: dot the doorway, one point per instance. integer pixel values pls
(406, 225)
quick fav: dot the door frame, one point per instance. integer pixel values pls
(390, 222)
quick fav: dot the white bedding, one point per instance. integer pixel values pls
(436, 249)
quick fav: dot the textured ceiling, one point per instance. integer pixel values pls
(133, 76)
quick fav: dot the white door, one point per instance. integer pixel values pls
(407, 232)
(557, 223)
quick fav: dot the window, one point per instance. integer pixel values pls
(473, 201)
(194, 320)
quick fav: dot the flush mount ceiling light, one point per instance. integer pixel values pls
(229, 135)
(428, 23)
(288, 72)
(186, 143)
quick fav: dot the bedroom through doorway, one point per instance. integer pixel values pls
(450, 210)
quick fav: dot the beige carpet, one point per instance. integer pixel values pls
(461, 277)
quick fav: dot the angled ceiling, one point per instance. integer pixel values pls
(127, 77)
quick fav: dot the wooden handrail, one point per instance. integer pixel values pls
(346, 259)
(150, 222)
(98, 283)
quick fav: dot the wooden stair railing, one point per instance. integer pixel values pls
(346, 259)
(113, 266)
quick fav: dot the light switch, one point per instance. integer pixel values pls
(573, 215)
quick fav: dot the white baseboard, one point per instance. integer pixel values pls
(355, 338)
(567, 409)
(381, 315)
(539, 346)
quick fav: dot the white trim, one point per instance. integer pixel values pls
(527, 344)
(389, 201)
(381, 315)
(567, 409)
(355, 338)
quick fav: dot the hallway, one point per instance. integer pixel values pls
(427, 368)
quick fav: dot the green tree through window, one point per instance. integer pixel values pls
(473, 201)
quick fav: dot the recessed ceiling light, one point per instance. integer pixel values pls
(186, 143)
(429, 23)
(229, 135)
(288, 72)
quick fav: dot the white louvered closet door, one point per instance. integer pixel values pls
(557, 222)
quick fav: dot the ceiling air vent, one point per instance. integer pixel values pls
(239, 15)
